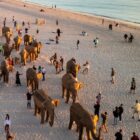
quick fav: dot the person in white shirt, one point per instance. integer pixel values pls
(86, 67)
(43, 73)
(7, 123)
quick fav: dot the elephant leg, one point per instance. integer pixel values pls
(35, 113)
(42, 116)
(67, 96)
(47, 116)
(88, 134)
(32, 85)
(63, 91)
(80, 132)
(71, 122)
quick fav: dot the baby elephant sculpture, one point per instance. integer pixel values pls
(71, 86)
(45, 105)
(82, 118)
(32, 79)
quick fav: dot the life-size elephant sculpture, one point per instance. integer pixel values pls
(5, 30)
(45, 105)
(72, 67)
(7, 50)
(32, 52)
(4, 72)
(24, 56)
(71, 86)
(83, 119)
(32, 79)
(17, 41)
(37, 45)
(27, 39)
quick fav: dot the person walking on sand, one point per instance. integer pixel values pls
(96, 41)
(37, 31)
(121, 110)
(61, 62)
(7, 123)
(96, 109)
(29, 98)
(98, 98)
(134, 137)
(86, 69)
(18, 78)
(133, 86)
(112, 75)
(131, 37)
(43, 73)
(125, 37)
(104, 121)
(77, 44)
(116, 115)
(136, 110)
(58, 32)
(119, 135)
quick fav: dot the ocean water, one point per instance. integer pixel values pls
(128, 10)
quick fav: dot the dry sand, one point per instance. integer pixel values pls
(112, 51)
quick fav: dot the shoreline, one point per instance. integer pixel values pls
(79, 16)
(85, 13)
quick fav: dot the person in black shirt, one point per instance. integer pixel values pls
(97, 109)
(116, 115)
(29, 97)
(120, 112)
(62, 62)
(119, 135)
(58, 32)
(18, 78)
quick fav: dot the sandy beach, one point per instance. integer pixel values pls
(112, 51)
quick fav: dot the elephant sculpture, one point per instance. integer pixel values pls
(83, 118)
(27, 39)
(17, 41)
(72, 67)
(32, 52)
(24, 55)
(32, 79)
(7, 50)
(5, 30)
(71, 86)
(45, 105)
(37, 45)
(4, 71)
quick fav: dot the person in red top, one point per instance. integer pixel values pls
(134, 137)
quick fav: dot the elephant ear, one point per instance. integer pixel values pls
(55, 102)
(78, 85)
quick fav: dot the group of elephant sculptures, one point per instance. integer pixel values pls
(30, 51)
(44, 105)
